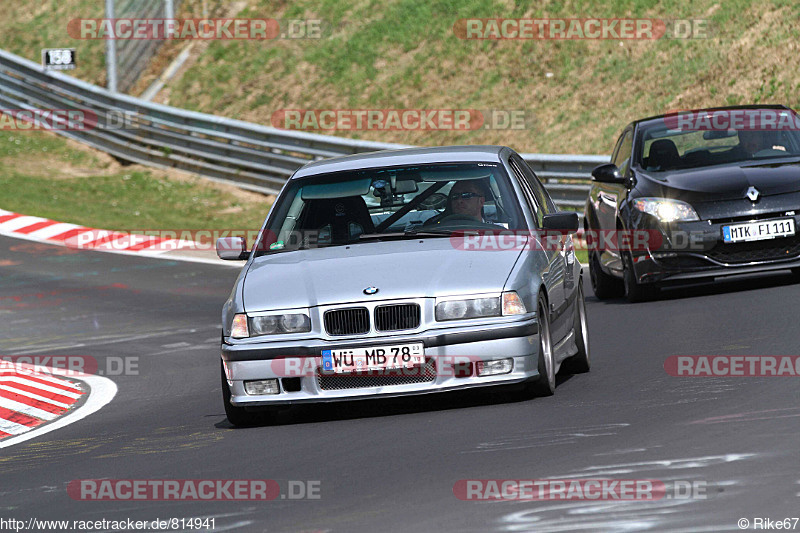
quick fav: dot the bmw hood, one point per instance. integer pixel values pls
(719, 183)
(398, 269)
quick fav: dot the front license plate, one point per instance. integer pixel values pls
(757, 231)
(373, 358)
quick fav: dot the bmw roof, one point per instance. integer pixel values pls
(408, 156)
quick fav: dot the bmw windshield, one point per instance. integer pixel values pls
(421, 201)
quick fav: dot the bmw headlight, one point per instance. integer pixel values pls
(665, 209)
(279, 324)
(468, 308)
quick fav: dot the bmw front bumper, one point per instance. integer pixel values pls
(443, 348)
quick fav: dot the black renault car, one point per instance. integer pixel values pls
(695, 194)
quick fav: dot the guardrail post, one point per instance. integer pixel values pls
(111, 52)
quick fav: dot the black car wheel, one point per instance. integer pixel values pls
(580, 362)
(604, 285)
(635, 291)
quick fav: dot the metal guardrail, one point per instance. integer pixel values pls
(255, 157)
(566, 177)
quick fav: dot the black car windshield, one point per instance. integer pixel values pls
(717, 137)
(421, 201)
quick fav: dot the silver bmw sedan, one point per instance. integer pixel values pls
(403, 272)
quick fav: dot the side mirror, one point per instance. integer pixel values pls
(608, 173)
(563, 221)
(232, 248)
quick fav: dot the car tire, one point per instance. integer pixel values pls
(604, 285)
(580, 362)
(545, 385)
(635, 291)
(238, 416)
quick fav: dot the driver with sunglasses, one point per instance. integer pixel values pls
(467, 198)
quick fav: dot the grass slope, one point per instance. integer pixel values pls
(45, 175)
(404, 54)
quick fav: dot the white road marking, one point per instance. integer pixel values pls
(52, 231)
(20, 222)
(19, 369)
(12, 428)
(101, 391)
(30, 383)
(26, 409)
(33, 396)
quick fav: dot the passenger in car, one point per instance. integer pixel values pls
(750, 143)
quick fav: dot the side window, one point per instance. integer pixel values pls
(622, 155)
(616, 147)
(538, 189)
(526, 190)
(544, 204)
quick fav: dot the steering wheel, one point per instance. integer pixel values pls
(435, 201)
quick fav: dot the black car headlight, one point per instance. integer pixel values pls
(666, 209)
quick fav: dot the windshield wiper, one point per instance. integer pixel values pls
(430, 232)
(410, 234)
(793, 161)
(364, 237)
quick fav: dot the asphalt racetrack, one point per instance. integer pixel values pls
(392, 465)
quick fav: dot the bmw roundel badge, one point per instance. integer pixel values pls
(371, 290)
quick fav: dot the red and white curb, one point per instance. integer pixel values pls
(33, 402)
(80, 237)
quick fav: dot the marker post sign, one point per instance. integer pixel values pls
(58, 58)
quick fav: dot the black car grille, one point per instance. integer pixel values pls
(397, 317)
(683, 261)
(351, 321)
(747, 252)
(378, 378)
(748, 218)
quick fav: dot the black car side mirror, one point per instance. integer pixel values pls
(608, 173)
(564, 221)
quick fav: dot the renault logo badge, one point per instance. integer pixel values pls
(753, 193)
(371, 290)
